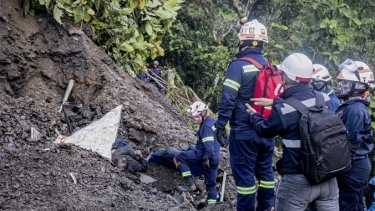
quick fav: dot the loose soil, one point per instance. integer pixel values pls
(37, 59)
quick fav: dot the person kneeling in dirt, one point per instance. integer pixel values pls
(124, 157)
(206, 154)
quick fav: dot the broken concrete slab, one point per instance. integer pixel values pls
(146, 179)
(99, 135)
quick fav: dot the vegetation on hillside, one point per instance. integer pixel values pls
(197, 38)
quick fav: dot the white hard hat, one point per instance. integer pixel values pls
(297, 67)
(320, 73)
(253, 30)
(196, 108)
(356, 71)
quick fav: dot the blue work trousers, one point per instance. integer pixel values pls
(194, 158)
(351, 185)
(294, 192)
(250, 159)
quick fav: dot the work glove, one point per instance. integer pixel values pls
(222, 136)
(206, 163)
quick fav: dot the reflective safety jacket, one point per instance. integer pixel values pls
(207, 142)
(284, 121)
(357, 121)
(237, 90)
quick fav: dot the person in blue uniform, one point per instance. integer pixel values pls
(250, 155)
(206, 153)
(294, 191)
(355, 79)
(320, 81)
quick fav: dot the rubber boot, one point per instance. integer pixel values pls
(189, 185)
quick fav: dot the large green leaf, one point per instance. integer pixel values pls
(133, 3)
(148, 28)
(57, 14)
(163, 14)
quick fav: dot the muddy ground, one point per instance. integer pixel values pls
(37, 59)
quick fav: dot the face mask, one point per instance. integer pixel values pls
(344, 87)
(318, 85)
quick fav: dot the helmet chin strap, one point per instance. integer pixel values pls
(203, 115)
(249, 43)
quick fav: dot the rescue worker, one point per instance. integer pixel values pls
(320, 81)
(206, 153)
(294, 191)
(250, 155)
(143, 76)
(155, 73)
(124, 157)
(354, 81)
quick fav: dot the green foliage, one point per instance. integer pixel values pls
(201, 43)
(129, 31)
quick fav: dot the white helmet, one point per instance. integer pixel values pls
(297, 67)
(356, 71)
(320, 73)
(253, 30)
(196, 108)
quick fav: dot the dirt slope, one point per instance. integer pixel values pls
(37, 59)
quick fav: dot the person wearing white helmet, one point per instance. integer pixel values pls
(320, 80)
(206, 153)
(354, 81)
(250, 155)
(294, 191)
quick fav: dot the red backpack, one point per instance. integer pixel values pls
(268, 84)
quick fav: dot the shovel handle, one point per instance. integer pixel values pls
(67, 92)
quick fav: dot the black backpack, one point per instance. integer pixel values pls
(325, 151)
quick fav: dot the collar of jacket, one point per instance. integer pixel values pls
(295, 89)
(349, 102)
(255, 52)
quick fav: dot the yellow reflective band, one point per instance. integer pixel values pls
(213, 128)
(211, 201)
(246, 190)
(232, 84)
(268, 107)
(266, 184)
(208, 138)
(250, 68)
(186, 174)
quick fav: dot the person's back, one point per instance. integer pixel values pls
(294, 191)
(250, 155)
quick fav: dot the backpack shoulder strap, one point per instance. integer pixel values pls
(253, 61)
(301, 108)
(319, 99)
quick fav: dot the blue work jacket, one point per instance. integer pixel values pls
(237, 90)
(357, 121)
(284, 122)
(207, 142)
